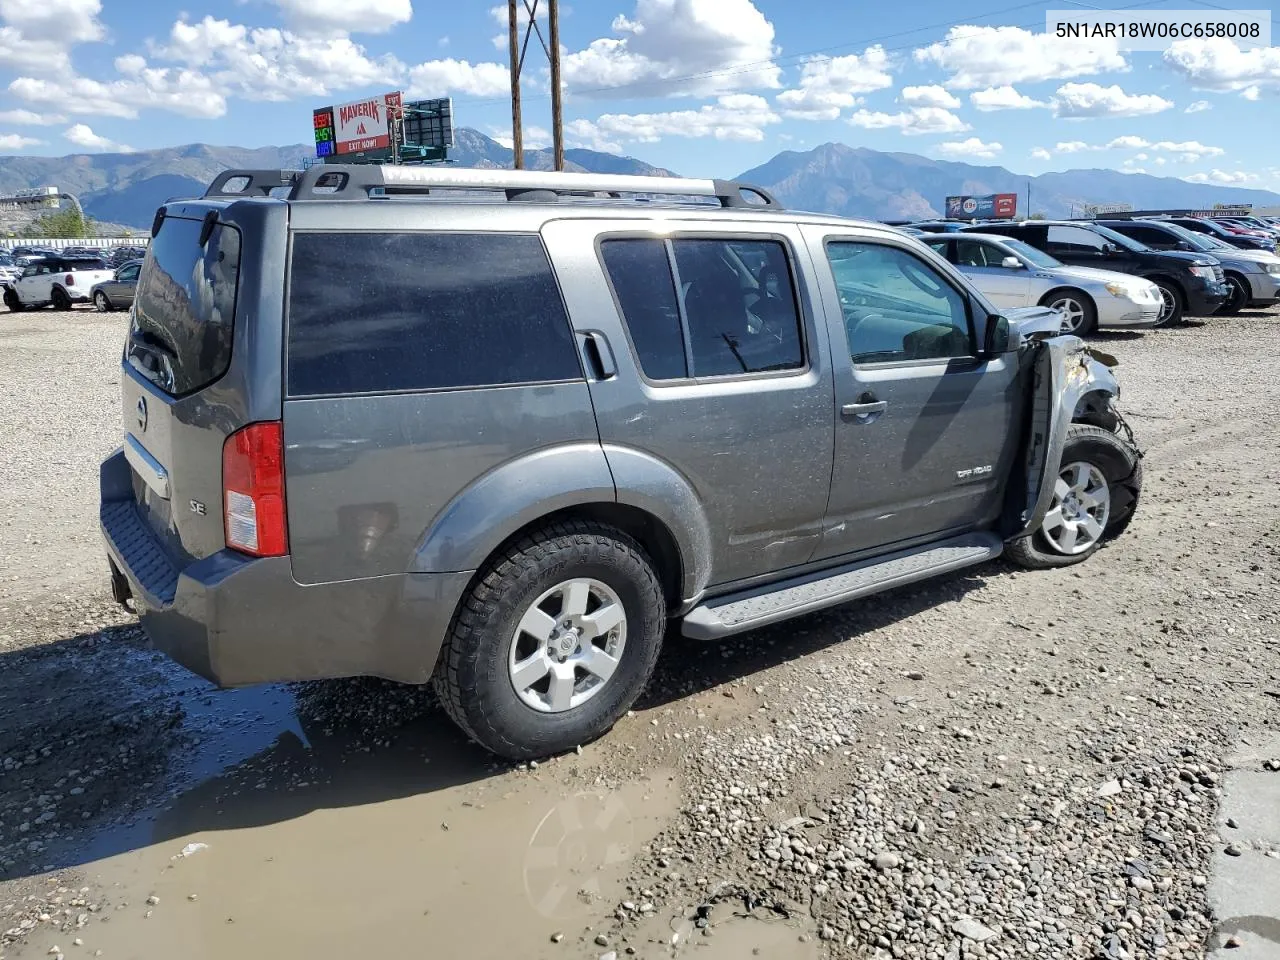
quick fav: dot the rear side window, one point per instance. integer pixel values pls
(185, 306)
(387, 312)
(729, 308)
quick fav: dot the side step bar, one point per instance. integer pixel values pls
(760, 606)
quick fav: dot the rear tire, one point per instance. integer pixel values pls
(1238, 299)
(1095, 498)
(1079, 314)
(1171, 307)
(60, 299)
(511, 673)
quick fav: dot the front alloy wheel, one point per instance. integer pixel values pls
(101, 303)
(1080, 509)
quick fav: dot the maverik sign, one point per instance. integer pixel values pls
(365, 124)
(995, 205)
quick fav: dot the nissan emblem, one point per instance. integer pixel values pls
(142, 413)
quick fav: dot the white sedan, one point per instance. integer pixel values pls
(1011, 273)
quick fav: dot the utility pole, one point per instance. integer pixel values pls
(516, 50)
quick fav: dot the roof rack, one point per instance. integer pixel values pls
(364, 181)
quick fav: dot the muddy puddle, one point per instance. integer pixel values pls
(338, 820)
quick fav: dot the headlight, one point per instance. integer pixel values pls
(1272, 268)
(1204, 273)
(1117, 289)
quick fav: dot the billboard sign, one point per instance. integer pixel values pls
(1101, 209)
(356, 127)
(991, 206)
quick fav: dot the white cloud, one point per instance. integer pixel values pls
(970, 149)
(930, 96)
(1072, 146)
(322, 18)
(1219, 64)
(1081, 100)
(716, 46)
(1198, 107)
(1188, 148)
(1135, 170)
(1003, 98)
(441, 78)
(1226, 177)
(1160, 161)
(1128, 142)
(30, 118)
(738, 116)
(78, 95)
(995, 56)
(911, 122)
(1040, 153)
(16, 141)
(535, 138)
(37, 35)
(585, 134)
(82, 136)
(271, 64)
(831, 84)
(1251, 93)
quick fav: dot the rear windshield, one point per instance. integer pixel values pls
(85, 264)
(185, 305)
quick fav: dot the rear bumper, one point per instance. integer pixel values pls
(237, 620)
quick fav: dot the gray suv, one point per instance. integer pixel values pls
(502, 430)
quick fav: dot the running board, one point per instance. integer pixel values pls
(761, 606)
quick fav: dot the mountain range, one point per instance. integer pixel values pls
(126, 188)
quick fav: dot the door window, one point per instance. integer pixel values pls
(1153, 237)
(729, 308)
(1076, 241)
(896, 306)
(975, 253)
(128, 274)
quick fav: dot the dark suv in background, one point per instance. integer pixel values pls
(1190, 283)
(1213, 228)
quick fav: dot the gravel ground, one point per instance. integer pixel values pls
(1001, 763)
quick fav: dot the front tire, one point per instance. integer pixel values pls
(13, 301)
(101, 303)
(60, 299)
(1077, 309)
(1095, 497)
(554, 640)
(1171, 304)
(1238, 299)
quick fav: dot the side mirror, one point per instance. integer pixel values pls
(995, 335)
(1186, 245)
(1110, 249)
(1011, 263)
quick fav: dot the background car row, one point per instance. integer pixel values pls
(62, 280)
(1103, 273)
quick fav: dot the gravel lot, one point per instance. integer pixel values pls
(998, 764)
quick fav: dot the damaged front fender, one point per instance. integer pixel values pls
(1067, 379)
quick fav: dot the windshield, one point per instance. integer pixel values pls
(1031, 254)
(1119, 239)
(1201, 241)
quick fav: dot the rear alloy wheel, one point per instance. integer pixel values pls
(1094, 496)
(1079, 316)
(1237, 299)
(554, 640)
(1170, 304)
(101, 303)
(60, 299)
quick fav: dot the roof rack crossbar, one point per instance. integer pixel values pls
(360, 181)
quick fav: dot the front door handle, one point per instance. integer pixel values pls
(864, 409)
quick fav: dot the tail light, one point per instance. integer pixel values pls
(69, 280)
(253, 491)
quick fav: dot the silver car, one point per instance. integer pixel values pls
(1015, 274)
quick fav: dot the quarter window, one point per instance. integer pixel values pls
(729, 308)
(384, 312)
(896, 306)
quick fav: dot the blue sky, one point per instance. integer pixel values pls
(705, 87)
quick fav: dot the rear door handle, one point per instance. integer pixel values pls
(599, 354)
(864, 409)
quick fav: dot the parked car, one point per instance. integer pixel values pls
(119, 256)
(60, 281)
(1189, 283)
(1252, 275)
(9, 268)
(1252, 223)
(1213, 228)
(526, 436)
(1015, 274)
(940, 226)
(116, 293)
